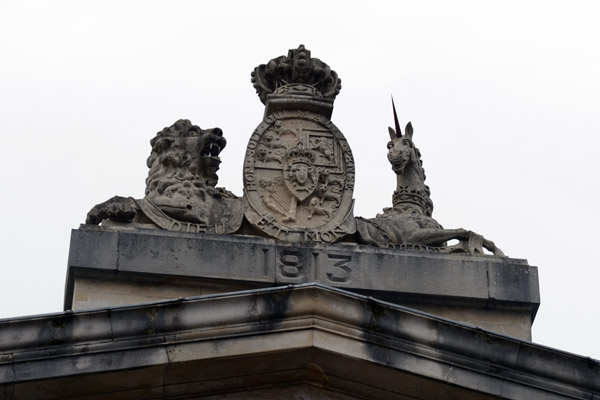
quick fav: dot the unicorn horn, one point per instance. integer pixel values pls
(398, 131)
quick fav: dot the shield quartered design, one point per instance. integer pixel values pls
(298, 178)
(300, 174)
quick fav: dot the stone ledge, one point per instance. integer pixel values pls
(484, 282)
(208, 344)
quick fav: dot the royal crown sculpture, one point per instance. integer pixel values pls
(298, 175)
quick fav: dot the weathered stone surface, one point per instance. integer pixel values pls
(299, 179)
(299, 392)
(299, 169)
(503, 320)
(35, 331)
(139, 383)
(255, 341)
(190, 255)
(181, 192)
(103, 292)
(182, 180)
(49, 368)
(94, 248)
(511, 282)
(500, 294)
(347, 266)
(7, 372)
(409, 221)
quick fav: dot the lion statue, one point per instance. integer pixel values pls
(181, 192)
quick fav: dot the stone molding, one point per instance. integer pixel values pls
(291, 328)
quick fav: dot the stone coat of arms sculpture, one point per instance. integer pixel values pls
(298, 170)
(298, 175)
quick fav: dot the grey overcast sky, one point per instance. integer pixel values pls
(504, 97)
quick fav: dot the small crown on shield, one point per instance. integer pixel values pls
(300, 155)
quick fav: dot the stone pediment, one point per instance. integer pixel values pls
(305, 341)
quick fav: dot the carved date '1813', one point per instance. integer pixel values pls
(332, 267)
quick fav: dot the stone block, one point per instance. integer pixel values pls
(91, 363)
(299, 392)
(513, 283)
(504, 321)
(496, 293)
(236, 346)
(7, 392)
(7, 372)
(194, 256)
(139, 383)
(93, 247)
(102, 292)
(51, 332)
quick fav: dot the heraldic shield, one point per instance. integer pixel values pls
(299, 178)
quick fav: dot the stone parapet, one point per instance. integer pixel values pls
(110, 267)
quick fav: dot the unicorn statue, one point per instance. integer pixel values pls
(409, 222)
